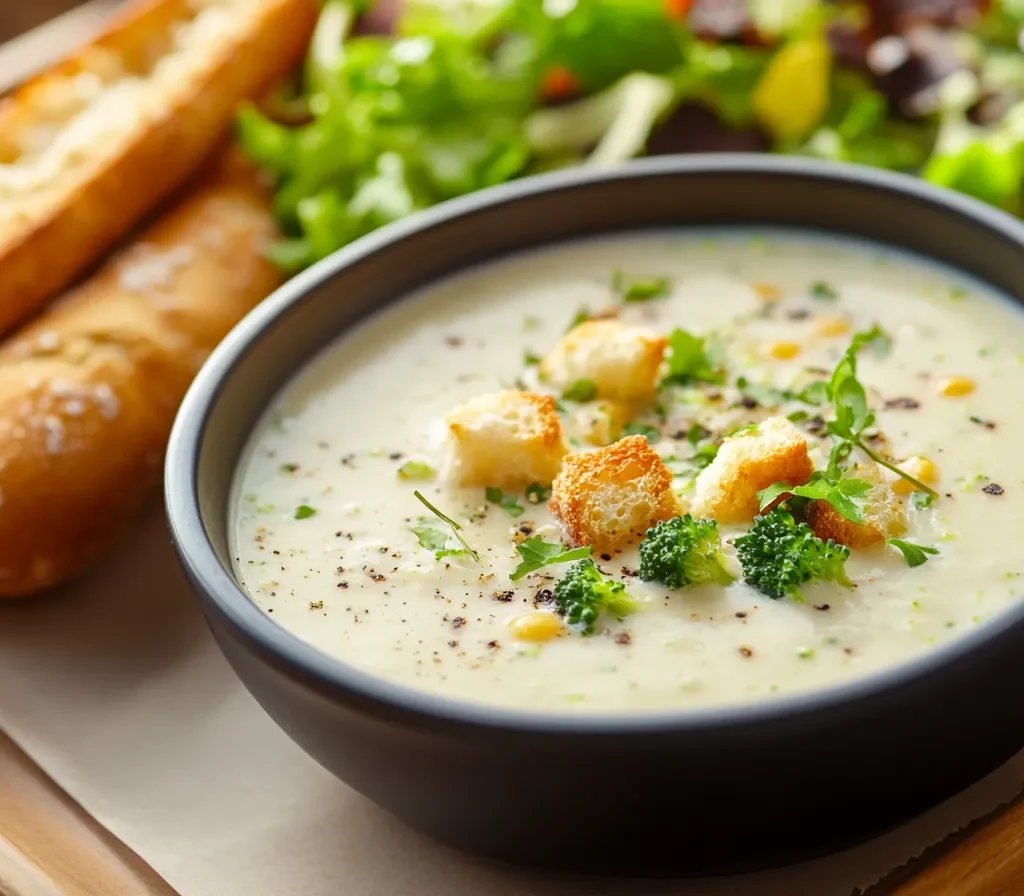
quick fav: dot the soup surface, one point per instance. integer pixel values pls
(330, 537)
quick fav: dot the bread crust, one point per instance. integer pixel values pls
(89, 390)
(612, 496)
(51, 234)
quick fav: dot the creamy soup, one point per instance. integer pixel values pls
(330, 539)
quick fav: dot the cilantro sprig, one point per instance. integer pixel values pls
(692, 360)
(454, 526)
(536, 553)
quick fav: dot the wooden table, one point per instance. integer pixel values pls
(49, 846)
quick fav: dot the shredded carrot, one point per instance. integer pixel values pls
(559, 84)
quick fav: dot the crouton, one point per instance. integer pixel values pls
(598, 423)
(611, 496)
(508, 439)
(622, 361)
(884, 514)
(776, 451)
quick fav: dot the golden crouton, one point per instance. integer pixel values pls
(622, 361)
(598, 423)
(507, 439)
(776, 451)
(884, 514)
(611, 496)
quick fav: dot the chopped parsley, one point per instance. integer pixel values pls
(537, 493)
(581, 390)
(415, 470)
(652, 433)
(536, 552)
(580, 317)
(531, 359)
(914, 554)
(304, 512)
(823, 291)
(455, 527)
(508, 502)
(691, 360)
(632, 288)
(920, 500)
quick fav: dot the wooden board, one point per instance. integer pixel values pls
(50, 847)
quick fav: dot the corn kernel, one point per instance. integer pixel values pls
(538, 626)
(767, 292)
(831, 326)
(784, 351)
(956, 386)
(920, 468)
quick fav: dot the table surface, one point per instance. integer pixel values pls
(49, 846)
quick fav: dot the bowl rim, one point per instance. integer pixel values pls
(219, 591)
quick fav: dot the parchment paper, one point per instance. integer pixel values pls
(116, 689)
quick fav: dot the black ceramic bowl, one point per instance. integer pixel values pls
(656, 794)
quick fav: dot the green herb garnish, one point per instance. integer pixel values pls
(914, 554)
(537, 493)
(416, 470)
(651, 433)
(530, 359)
(455, 527)
(507, 502)
(845, 495)
(536, 552)
(304, 512)
(631, 288)
(850, 405)
(690, 361)
(823, 291)
(581, 390)
(920, 500)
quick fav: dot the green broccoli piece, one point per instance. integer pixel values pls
(778, 555)
(583, 594)
(683, 551)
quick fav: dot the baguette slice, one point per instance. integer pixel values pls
(90, 146)
(89, 390)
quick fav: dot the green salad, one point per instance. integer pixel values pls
(402, 106)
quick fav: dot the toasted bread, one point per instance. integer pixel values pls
(92, 145)
(612, 496)
(89, 390)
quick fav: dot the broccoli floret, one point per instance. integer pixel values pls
(583, 594)
(683, 551)
(778, 555)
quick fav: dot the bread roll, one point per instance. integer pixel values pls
(89, 390)
(90, 146)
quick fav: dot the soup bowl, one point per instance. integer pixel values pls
(669, 792)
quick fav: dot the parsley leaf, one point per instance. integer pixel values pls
(690, 361)
(531, 359)
(536, 552)
(455, 527)
(850, 403)
(823, 291)
(920, 500)
(580, 317)
(914, 554)
(304, 512)
(430, 538)
(845, 495)
(581, 390)
(537, 493)
(508, 503)
(652, 433)
(638, 288)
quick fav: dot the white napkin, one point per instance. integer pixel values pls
(117, 690)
